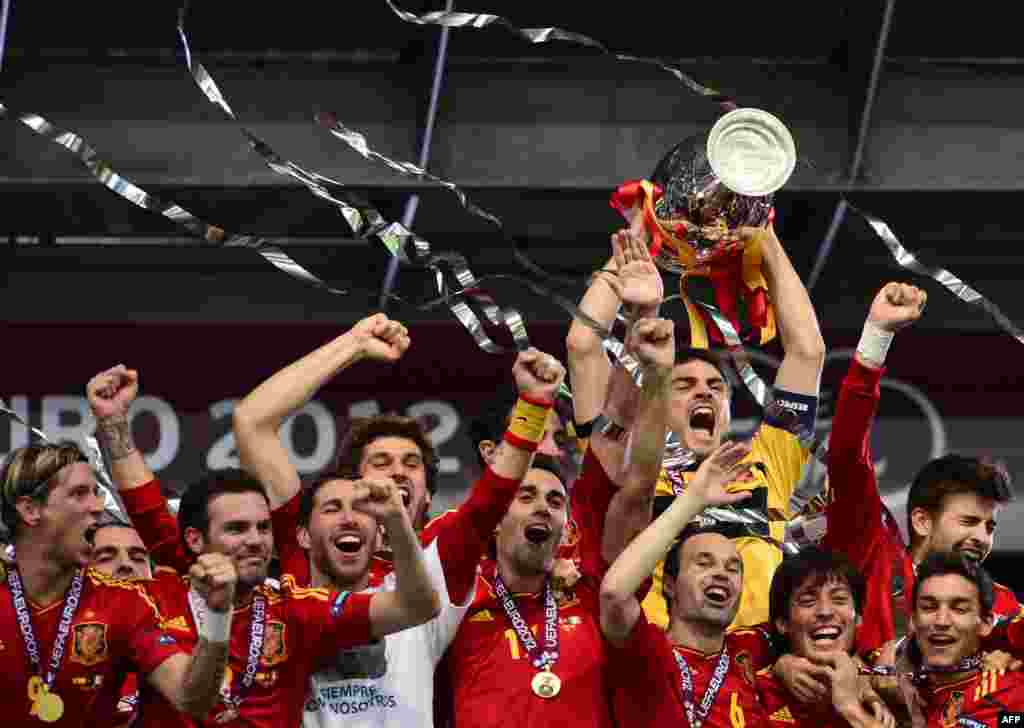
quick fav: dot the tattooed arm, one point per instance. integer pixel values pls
(110, 395)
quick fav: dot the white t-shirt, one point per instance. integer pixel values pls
(388, 684)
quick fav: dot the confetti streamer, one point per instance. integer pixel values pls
(906, 259)
(106, 175)
(357, 141)
(536, 36)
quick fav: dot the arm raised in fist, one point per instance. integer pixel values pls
(896, 306)
(259, 416)
(538, 375)
(415, 600)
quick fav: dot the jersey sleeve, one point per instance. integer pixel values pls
(158, 529)
(638, 655)
(592, 493)
(285, 520)
(148, 645)
(780, 443)
(855, 510)
(462, 535)
(330, 621)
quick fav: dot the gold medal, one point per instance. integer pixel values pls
(49, 707)
(546, 684)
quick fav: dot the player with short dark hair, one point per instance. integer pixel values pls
(279, 635)
(342, 550)
(695, 672)
(953, 614)
(953, 501)
(816, 599)
(701, 395)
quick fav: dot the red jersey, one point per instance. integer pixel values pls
(489, 670)
(779, 709)
(647, 685)
(304, 627)
(115, 630)
(860, 526)
(974, 702)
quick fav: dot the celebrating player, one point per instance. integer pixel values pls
(70, 633)
(701, 395)
(952, 504)
(816, 600)
(695, 673)
(388, 683)
(280, 635)
(953, 611)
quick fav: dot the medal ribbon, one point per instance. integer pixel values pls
(257, 631)
(921, 672)
(71, 601)
(697, 716)
(542, 659)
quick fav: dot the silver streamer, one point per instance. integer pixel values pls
(107, 176)
(366, 222)
(906, 259)
(455, 19)
(92, 451)
(358, 142)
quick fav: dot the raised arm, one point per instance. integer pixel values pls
(854, 514)
(620, 608)
(110, 394)
(629, 278)
(800, 371)
(414, 601)
(258, 417)
(463, 534)
(630, 512)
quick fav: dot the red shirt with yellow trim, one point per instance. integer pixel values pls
(304, 627)
(490, 673)
(975, 701)
(647, 684)
(860, 526)
(779, 709)
(115, 631)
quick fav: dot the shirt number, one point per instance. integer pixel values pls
(513, 641)
(736, 713)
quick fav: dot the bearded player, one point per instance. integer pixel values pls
(952, 505)
(71, 634)
(390, 683)
(278, 636)
(701, 396)
(530, 647)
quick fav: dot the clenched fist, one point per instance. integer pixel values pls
(653, 343)
(538, 375)
(112, 392)
(214, 577)
(380, 338)
(381, 499)
(897, 306)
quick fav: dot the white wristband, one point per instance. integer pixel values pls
(216, 626)
(874, 344)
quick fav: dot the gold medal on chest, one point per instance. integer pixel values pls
(546, 684)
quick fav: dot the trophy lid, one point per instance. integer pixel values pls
(751, 152)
